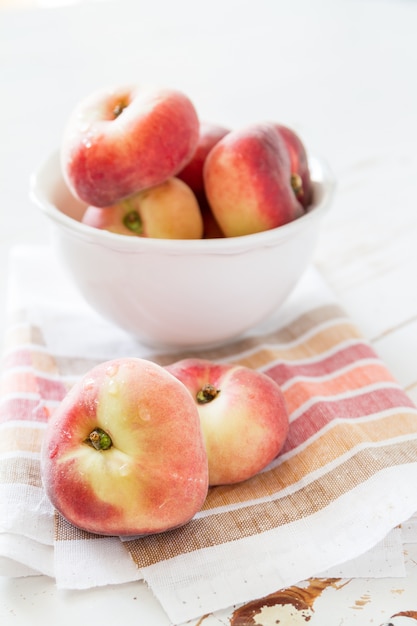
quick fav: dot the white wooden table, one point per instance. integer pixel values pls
(342, 73)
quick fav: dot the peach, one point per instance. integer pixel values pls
(211, 228)
(123, 453)
(247, 178)
(243, 416)
(122, 140)
(167, 211)
(192, 173)
(300, 171)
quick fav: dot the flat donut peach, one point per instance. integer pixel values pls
(120, 141)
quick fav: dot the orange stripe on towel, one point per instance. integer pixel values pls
(359, 377)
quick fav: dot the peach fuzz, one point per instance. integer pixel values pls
(119, 141)
(123, 453)
(243, 416)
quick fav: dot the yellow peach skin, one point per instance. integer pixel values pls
(167, 211)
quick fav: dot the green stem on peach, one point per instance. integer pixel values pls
(207, 393)
(133, 222)
(99, 439)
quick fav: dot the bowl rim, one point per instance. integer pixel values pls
(50, 170)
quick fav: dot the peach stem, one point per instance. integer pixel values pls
(297, 185)
(99, 439)
(207, 393)
(133, 222)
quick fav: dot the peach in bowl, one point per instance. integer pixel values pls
(181, 292)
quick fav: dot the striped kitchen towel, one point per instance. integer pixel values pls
(344, 479)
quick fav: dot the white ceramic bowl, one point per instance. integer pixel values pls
(180, 293)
